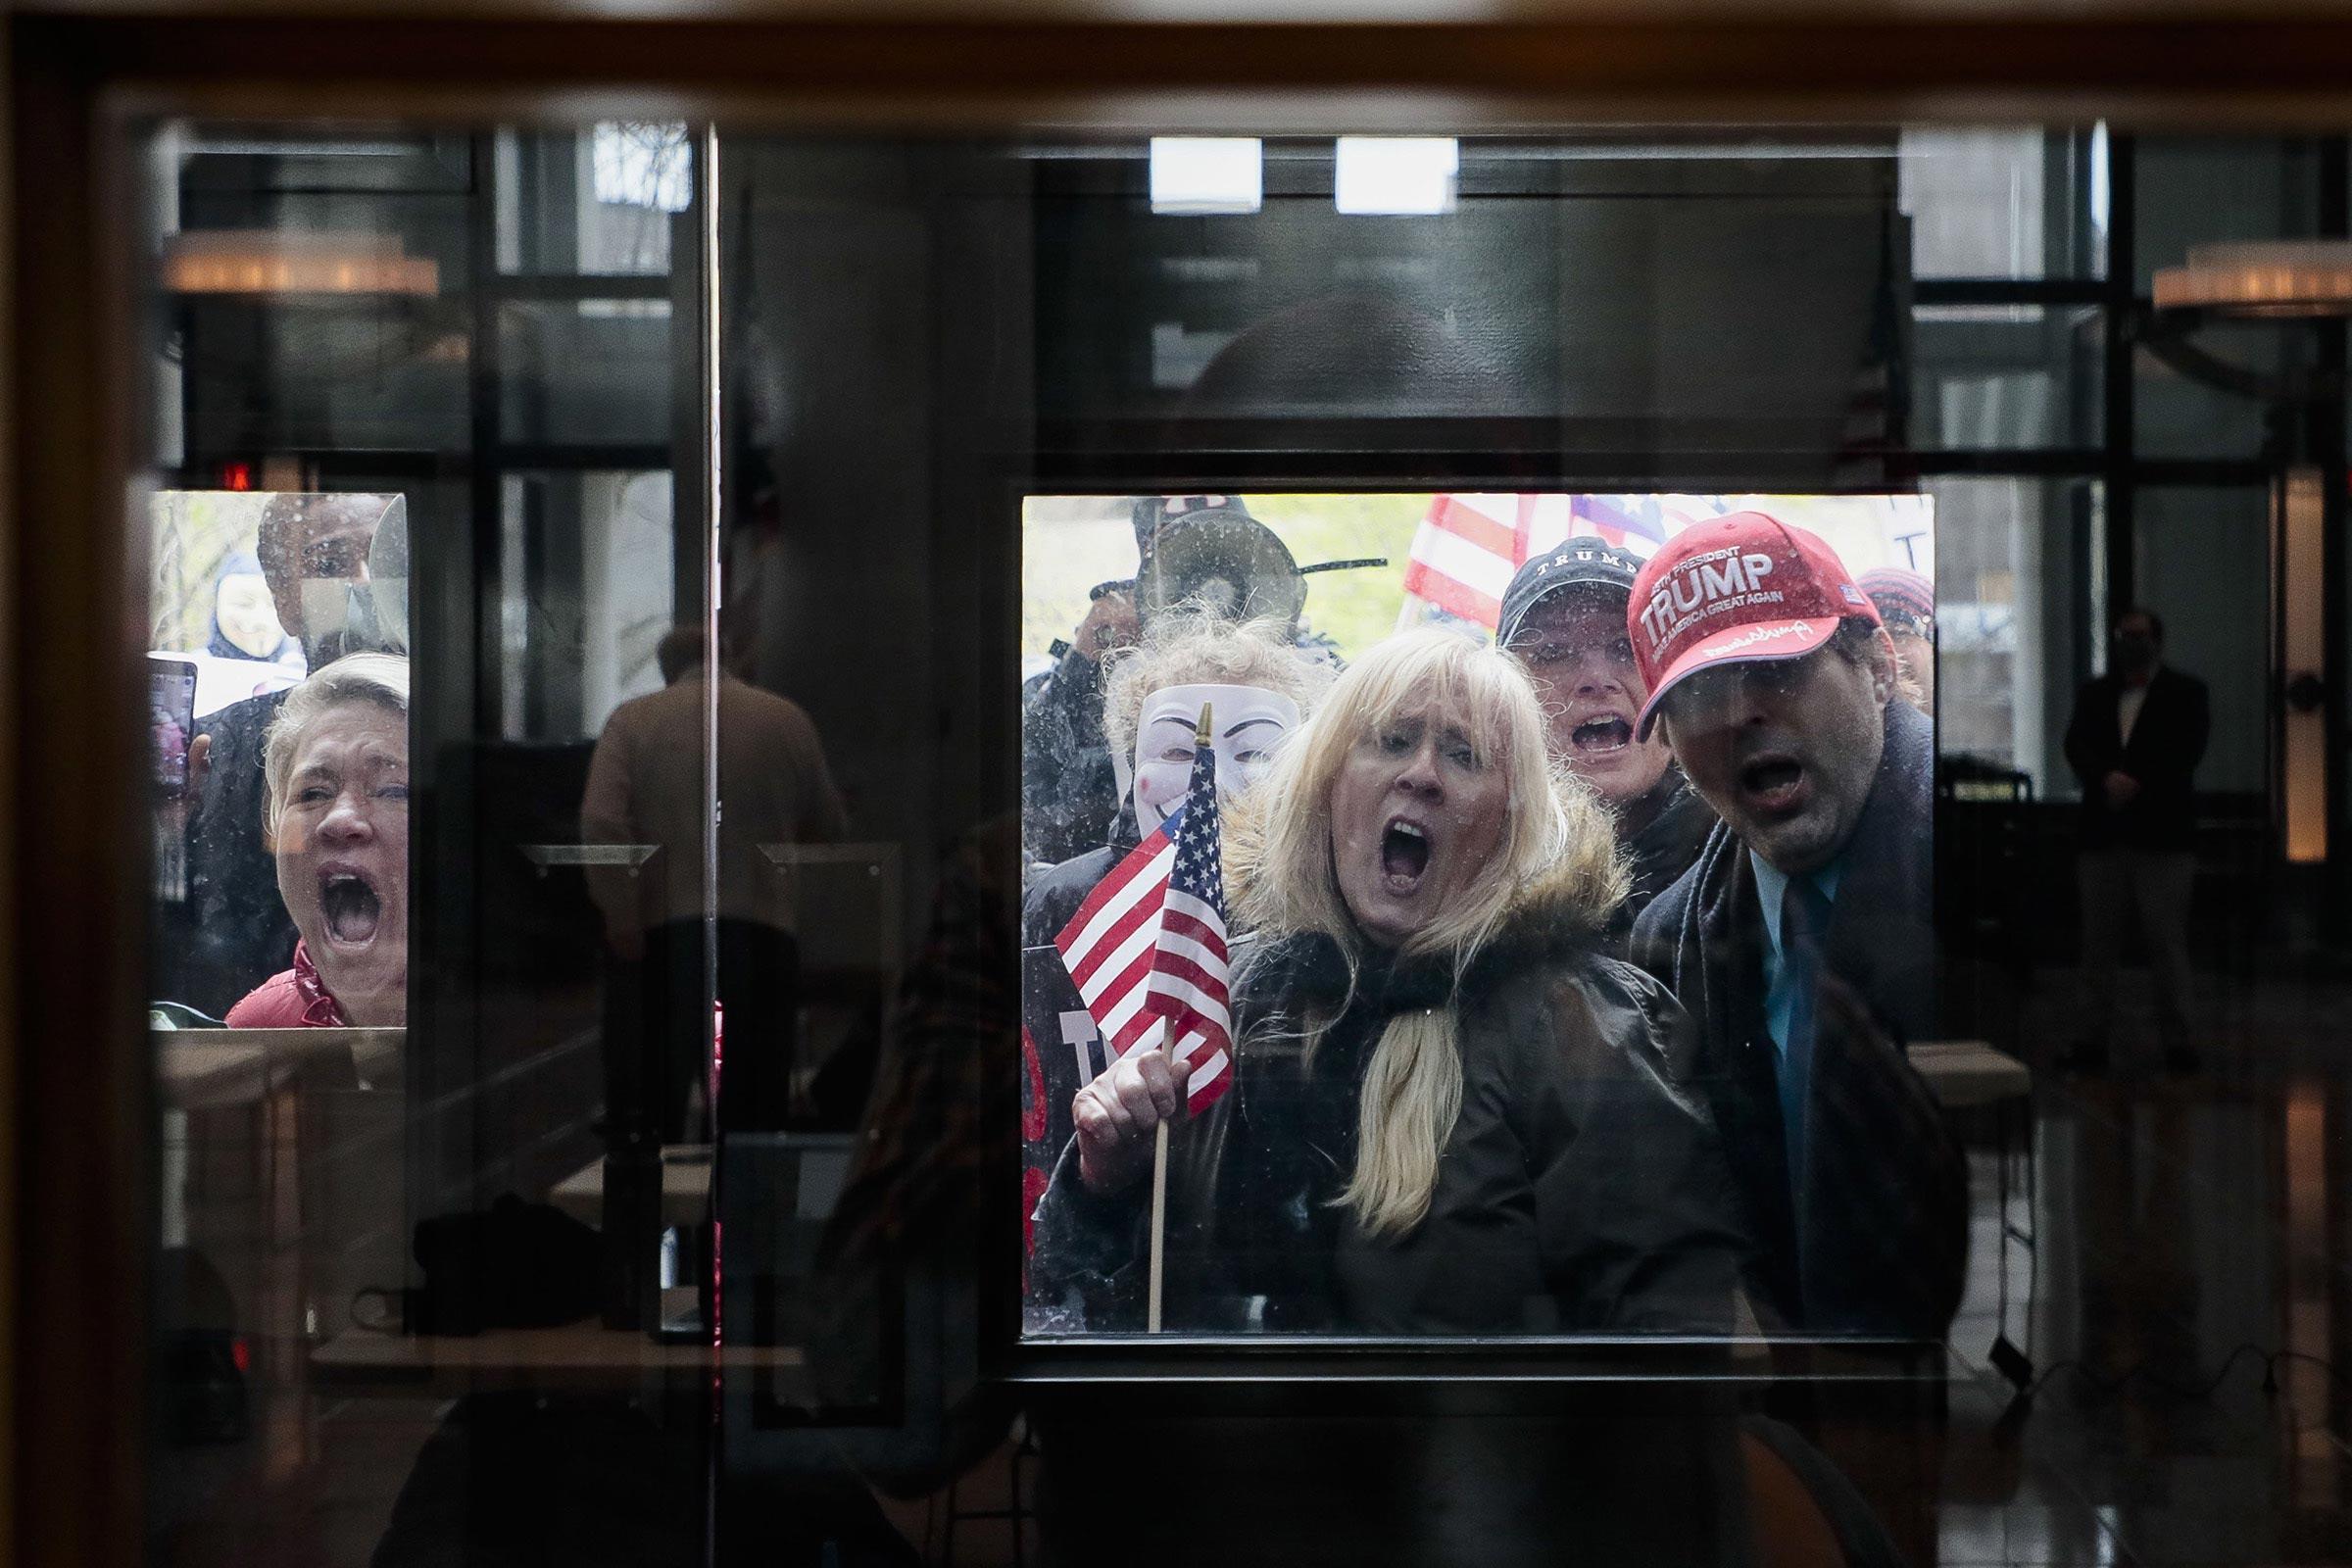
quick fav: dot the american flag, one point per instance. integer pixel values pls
(1146, 949)
(1465, 551)
(1636, 526)
(1468, 546)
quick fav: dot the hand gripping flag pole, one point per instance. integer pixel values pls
(1147, 951)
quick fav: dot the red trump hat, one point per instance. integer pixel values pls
(1742, 589)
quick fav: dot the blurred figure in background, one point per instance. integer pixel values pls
(1906, 605)
(646, 787)
(245, 623)
(2134, 742)
(336, 765)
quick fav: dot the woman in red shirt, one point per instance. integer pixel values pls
(336, 772)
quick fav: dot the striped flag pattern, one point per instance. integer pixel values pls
(1465, 551)
(1146, 949)
(1468, 546)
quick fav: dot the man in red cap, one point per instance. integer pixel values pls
(1801, 941)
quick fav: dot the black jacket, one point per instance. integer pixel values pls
(1070, 790)
(2168, 742)
(239, 933)
(1057, 891)
(1662, 848)
(1579, 1190)
(1880, 1244)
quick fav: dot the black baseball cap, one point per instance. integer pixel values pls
(1579, 563)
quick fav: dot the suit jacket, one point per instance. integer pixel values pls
(2168, 741)
(1878, 1243)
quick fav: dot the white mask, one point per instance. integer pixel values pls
(1248, 722)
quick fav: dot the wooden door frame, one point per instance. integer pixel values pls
(76, 1106)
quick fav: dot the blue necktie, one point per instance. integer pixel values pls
(1804, 924)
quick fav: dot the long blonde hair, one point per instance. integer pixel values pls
(1556, 835)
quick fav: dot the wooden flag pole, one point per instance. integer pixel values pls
(1204, 736)
(1160, 1221)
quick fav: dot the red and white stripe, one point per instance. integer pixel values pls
(1468, 547)
(1188, 987)
(1464, 552)
(1111, 945)
(1141, 956)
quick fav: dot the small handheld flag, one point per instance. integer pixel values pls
(1146, 949)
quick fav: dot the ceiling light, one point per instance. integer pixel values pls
(226, 261)
(1207, 174)
(1397, 174)
(2293, 278)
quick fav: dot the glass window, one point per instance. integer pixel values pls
(2195, 191)
(1992, 376)
(2210, 548)
(2023, 202)
(2019, 576)
(2202, 190)
(600, 201)
(810, 800)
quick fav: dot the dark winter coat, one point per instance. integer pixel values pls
(1662, 848)
(1879, 1244)
(1579, 1190)
(1070, 789)
(238, 933)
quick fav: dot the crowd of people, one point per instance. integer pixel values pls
(1571, 975)
(296, 831)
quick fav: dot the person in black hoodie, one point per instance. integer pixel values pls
(1801, 941)
(1563, 619)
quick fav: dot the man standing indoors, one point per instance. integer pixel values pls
(2134, 742)
(1801, 941)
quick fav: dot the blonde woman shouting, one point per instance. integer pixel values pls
(1451, 1113)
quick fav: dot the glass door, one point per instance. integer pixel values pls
(741, 722)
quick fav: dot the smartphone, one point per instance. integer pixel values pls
(170, 716)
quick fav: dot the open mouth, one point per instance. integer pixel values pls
(1404, 855)
(353, 908)
(1773, 783)
(1597, 737)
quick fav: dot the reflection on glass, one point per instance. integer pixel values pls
(1994, 377)
(1639, 884)
(1374, 899)
(2020, 202)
